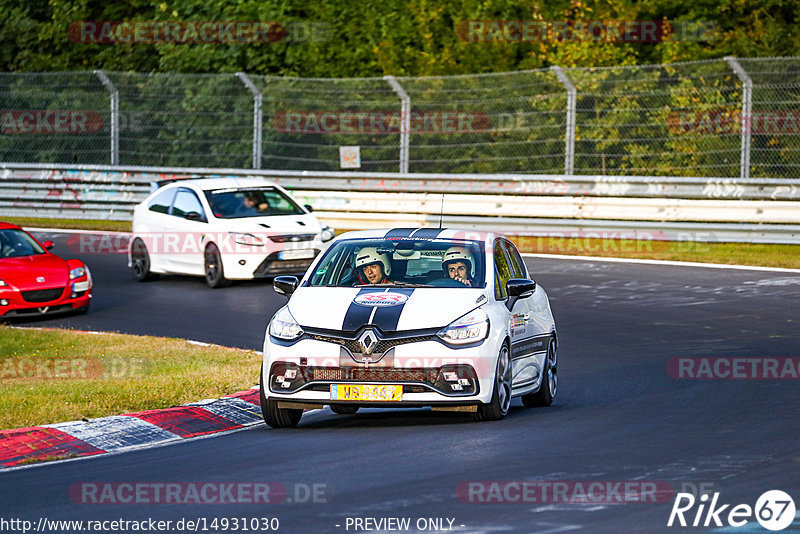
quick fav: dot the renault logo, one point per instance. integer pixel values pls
(368, 341)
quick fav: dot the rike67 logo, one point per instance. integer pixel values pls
(774, 510)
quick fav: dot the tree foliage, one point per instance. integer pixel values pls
(399, 37)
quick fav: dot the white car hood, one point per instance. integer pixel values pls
(282, 224)
(333, 308)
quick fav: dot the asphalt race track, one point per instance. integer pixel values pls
(618, 416)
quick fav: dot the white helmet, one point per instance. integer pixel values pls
(370, 255)
(458, 254)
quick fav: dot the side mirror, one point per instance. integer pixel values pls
(308, 207)
(193, 216)
(519, 288)
(48, 245)
(285, 285)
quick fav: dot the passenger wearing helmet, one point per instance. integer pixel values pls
(373, 266)
(458, 264)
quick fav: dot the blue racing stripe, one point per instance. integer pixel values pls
(399, 232)
(386, 318)
(357, 315)
(428, 233)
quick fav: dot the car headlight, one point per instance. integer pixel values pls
(468, 328)
(327, 234)
(2, 283)
(283, 326)
(77, 272)
(246, 239)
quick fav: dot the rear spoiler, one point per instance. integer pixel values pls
(158, 184)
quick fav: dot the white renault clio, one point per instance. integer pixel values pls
(410, 317)
(223, 229)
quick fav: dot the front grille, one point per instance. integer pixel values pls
(381, 347)
(272, 265)
(287, 377)
(42, 295)
(359, 374)
(296, 238)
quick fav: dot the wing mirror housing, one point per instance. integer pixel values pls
(285, 285)
(519, 288)
(48, 245)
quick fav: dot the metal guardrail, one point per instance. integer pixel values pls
(686, 209)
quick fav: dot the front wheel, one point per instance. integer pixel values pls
(549, 388)
(501, 396)
(140, 261)
(274, 416)
(215, 276)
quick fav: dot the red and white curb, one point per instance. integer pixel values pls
(130, 431)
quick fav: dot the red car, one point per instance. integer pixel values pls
(34, 282)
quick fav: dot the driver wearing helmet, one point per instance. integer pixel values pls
(458, 264)
(373, 265)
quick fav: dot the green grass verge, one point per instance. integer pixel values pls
(53, 375)
(786, 256)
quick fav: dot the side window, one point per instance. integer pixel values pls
(185, 202)
(162, 201)
(517, 266)
(502, 271)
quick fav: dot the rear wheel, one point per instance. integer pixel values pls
(215, 276)
(549, 388)
(274, 416)
(140, 261)
(344, 409)
(501, 396)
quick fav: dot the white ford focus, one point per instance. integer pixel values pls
(410, 317)
(223, 229)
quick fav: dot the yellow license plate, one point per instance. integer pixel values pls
(366, 392)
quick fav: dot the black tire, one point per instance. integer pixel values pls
(501, 394)
(274, 416)
(549, 388)
(212, 260)
(344, 409)
(140, 261)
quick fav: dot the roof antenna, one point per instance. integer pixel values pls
(441, 210)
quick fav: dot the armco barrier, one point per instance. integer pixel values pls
(693, 209)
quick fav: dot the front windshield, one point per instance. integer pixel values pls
(250, 202)
(16, 243)
(402, 262)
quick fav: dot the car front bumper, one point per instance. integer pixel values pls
(13, 304)
(429, 372)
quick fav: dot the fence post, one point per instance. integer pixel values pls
(257, 116)
(747, 110)
(572, 97)
(405, 117)
(114, 115)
